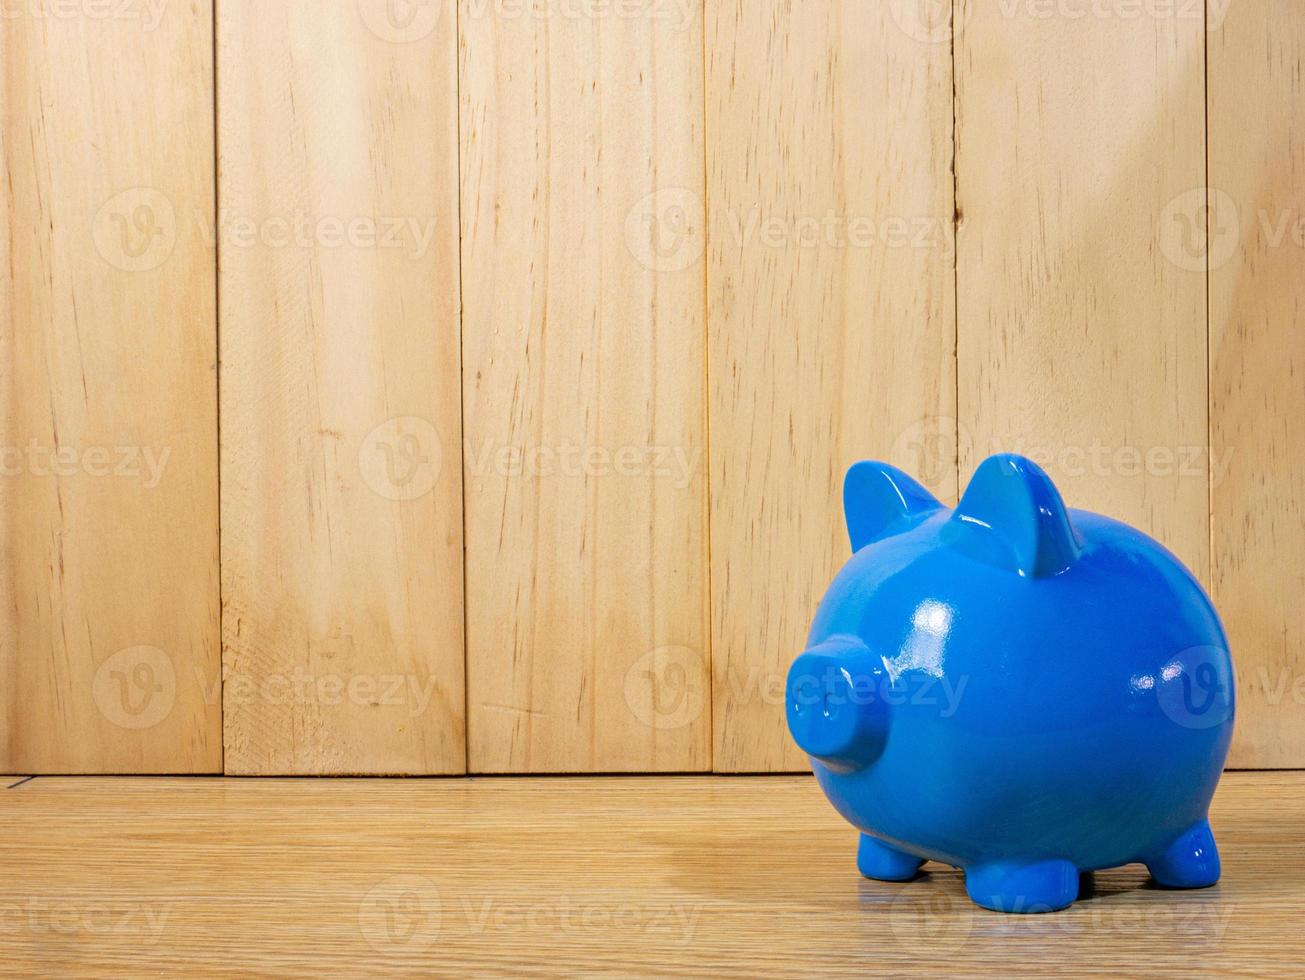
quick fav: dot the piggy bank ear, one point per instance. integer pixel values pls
(1012, 515)
(880, 500)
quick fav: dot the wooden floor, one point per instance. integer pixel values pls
(695, 876)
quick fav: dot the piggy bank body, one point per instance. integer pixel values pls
(1020, 690)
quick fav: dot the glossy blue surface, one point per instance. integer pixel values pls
(1020, 690)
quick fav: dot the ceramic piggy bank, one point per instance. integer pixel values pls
(1022, 691)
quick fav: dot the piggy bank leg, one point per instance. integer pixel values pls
(1009, 886)
(1192, 861)
(875, 859)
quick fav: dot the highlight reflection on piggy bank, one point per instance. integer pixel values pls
(1016, 689)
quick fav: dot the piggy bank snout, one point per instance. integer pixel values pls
(834, 712)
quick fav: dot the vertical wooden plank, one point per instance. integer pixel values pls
(108, 472)
(1256, 250)
(341, 504)
(831, 315)
(583, 225)
(1081, 329)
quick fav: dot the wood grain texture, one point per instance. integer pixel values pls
(1081, 332)
(830, 314)
(1256, 249)
(582, 221)
(341, 504)
(664, 876)
(108, 432)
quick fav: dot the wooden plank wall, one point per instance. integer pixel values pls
(108, 493)
(583, 372)
(341, 484)
(1256, 253)
(585, 310)
(831, 317)
(1081, 341)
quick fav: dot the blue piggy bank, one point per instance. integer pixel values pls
(1022, 691)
